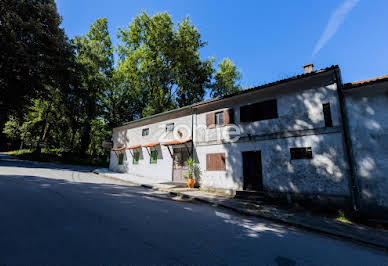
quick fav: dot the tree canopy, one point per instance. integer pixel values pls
(71, 93)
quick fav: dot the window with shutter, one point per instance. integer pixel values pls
(154, 157)
(228, 116)
(327, 114)
(215, 162)
(121, 158)
(210, 120)
(301, 153)
(259, 111)
(136, 156)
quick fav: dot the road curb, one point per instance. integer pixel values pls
(308, 227)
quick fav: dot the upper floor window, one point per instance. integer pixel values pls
(327, 115)
(170, 127)
(301, 153)
(259, 111)
(220, 118)
(145, 132)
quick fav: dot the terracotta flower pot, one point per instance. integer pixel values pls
(190, 183)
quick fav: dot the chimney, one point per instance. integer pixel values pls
(308, 68)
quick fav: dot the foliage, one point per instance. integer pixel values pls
(33, 50)
(194, 170)
(226, 79)
(160, 64)
(56, 155)
(71, 94)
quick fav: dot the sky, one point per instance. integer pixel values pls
(267, 40)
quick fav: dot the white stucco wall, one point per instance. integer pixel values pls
(326, 173)
(297, 110)
(300, 111)
(367, 110)
(162, 170)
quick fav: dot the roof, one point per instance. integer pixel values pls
(119, 149)
(152, 144)
(264, 86)
(366, 82)
(134, 146)
(174, 142)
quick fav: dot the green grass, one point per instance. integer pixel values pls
(56, 156)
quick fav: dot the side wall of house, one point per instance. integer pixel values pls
(162, 169)
(300, 123)
(367, 109)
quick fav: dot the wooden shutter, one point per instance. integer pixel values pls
(215, 162)
(327, 115)
(228, 116)
(210, 119)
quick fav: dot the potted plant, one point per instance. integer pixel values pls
(190, 173)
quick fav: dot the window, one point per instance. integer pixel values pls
(136, 156)
(145, 132)
(154, 157)
(327, 115)
(215, 162)
(121, 158)
(220, 118)
(170, 127)
(301, 153)
(259, 111)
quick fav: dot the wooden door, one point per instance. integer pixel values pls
(179, 169)
(253, 179)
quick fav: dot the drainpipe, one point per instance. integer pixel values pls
(355, 190)
(192, 132)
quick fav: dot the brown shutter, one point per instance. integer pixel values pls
(228, 116)
(210, 119)
(215, 162)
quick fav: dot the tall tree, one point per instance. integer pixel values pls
(94, 55)
(160, 63)
(32, 54)
(226, 79)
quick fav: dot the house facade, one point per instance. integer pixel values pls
(290, 137)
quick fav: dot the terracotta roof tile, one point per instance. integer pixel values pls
(366, 81)
(174, 142)
(119, 149)
(152, 144)
(134, 146)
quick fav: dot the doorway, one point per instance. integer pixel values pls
(252, 171)
(179, 168)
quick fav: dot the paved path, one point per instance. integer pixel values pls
(50, 214)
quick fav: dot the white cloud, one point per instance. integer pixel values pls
(336, 19)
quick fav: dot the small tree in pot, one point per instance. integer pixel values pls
(193, 172)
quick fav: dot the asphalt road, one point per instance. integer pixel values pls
(52, 214)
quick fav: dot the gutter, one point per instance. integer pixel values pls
(355, 190)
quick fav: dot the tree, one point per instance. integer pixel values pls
(226, 79)
(160, 64)
(94, 55)
(32, 50)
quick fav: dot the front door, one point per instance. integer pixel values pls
(179, 168)
(252, 171)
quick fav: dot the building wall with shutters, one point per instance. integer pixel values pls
(298, 110)
(325, 174)
(161, 171)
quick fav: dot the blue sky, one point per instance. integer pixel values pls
(267, 40)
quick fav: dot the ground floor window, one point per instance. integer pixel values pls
(215, 162)
(154, 157)
(121, 158)
(136, 156)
